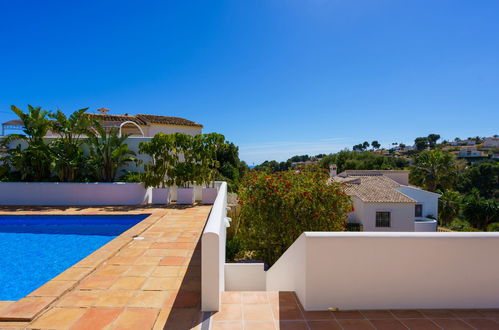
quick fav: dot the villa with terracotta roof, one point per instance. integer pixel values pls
(384, 201)
(139, 125)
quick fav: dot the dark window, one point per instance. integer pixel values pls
(382, 219)
(418, 210)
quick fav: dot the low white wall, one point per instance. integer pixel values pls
(245, 277)
(62, 193)
(425, 226)
(213, 253)
(390, 270)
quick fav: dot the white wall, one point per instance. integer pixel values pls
(62, 193)
(390, 270)
(245, 277)
(402, 215)
(213, 253)
(428, 199)
(168, 129)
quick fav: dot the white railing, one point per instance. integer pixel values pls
(213, 253)
(390, 270)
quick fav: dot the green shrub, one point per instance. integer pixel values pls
(493, 227)
(350, 226)
(277, 207)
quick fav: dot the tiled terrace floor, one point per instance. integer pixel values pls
(152, 283)
(281, 310)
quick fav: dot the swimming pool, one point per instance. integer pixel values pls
(36, 248)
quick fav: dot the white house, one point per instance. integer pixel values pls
(384, 201)
(491, 142)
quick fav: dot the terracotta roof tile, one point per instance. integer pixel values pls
(375, 189)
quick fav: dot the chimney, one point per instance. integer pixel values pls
(333, 170)
(103, 110)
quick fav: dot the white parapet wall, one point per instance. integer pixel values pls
(390, 270)
(213, 253)
(245, 277)
(68, 193)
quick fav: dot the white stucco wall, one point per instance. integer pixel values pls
(402, 215)
(65, 193)
(168, 129)
(390, 270)
(245, 277)
(428, 199)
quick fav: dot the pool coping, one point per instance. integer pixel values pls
(30, 306)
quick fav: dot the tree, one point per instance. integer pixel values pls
(276, 208)
(402, 146)
(484, 177)
(108, 152)
(479, 211)
(435, 169)
(421, 143)
(432, 140)
(365, 145)
(32, 163)
(375, 144)
(449, 206)
(69, 160)
(158, 171)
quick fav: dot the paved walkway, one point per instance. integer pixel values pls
(281, 310)
(152, 283)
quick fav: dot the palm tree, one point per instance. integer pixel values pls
(33, 162)
(108, 151)
(69, 159)
(434, 169)
(449, 206)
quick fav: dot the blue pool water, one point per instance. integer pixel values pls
(34, 249)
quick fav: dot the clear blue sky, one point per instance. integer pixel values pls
(277, 77)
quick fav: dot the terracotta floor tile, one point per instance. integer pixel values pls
(419, 324)
(117, 260)
(25, 308)
(161, 283)
(148, 261)
(228, 313)
(135, 319)
(79, 299)
(169, 245)
(162, 318)
(52, 289)
(111, 270)
(323, 325)
(451, 324)
(489, 312)
(355, 324)
(377, 314)
(114, 299)
(165, 271)
(437, 313)
(187, 299)
(483, 324)
(388, 324)
(229, 297)
(287, 312)
(149, 299)
(183, 318)
(227, 325)
(292, 325)
(255, 297)
(166, 253)
(73, 274)
(128, 283)
(97, 282)
(58, 318)
(466, 313)
(317, 315)
(173, 261)
(140, 270)
(407, 314)
(256, 312)
(347, 315)
(259, 325)
(96, 318)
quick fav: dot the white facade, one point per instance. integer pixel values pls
(491, 142)
(401, 215)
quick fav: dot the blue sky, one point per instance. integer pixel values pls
(277, 77)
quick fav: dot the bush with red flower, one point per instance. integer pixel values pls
(277, 207)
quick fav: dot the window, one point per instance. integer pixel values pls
(382, 219)
(418, 211)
